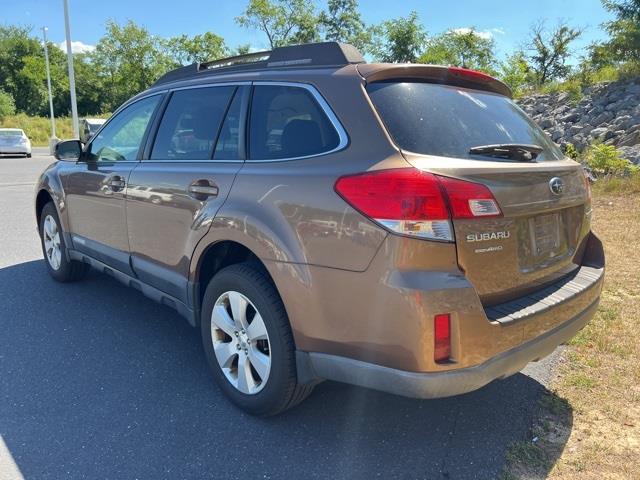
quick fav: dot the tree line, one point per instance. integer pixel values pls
(128, 58)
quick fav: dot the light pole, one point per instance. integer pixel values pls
(72, 78)
(53, 138)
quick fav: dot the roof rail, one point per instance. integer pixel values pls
(323, 54)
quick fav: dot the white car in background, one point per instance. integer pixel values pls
(13, 141)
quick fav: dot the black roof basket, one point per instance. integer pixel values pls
(326, 54)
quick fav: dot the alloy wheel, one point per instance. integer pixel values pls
(51, 237)
(240, 342)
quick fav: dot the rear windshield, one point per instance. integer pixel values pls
(442, 120)
(10, 133)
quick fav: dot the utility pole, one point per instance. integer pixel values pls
(53, 138)
(72, 78)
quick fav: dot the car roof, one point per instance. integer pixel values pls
(308, 62)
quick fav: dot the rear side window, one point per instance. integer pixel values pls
(442, 120)
(190, 124)
(288, 122)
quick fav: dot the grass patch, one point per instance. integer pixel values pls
(38, 129)
(618, 186)
(581, 380)
(573, 87)
(590, 426)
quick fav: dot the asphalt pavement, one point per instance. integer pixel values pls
(96, 381)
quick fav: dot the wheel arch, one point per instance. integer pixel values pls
(42, 198)
(220, 254)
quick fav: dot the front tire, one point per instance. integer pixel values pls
(54, 248)
(248, 341)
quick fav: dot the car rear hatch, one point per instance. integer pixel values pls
(448, 124)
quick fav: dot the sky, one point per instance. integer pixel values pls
(507, 21)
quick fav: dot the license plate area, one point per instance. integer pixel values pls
(545, 234)
(542, 241)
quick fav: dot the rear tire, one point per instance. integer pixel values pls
(54, 248)
(261, 331)
(28, 155)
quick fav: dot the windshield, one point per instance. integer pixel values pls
(10, 133)
(448, 121)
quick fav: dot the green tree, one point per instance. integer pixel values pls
(90, 91)
(185, 50)
(463, 48)
(242, 49)
(7, 105)
(342, 23)
(284, 22)
(624, 31)
(19, 52)
(129, 60)
(399, 40)
(515, 72)
(549, 51)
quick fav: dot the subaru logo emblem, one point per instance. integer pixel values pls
(556, 185)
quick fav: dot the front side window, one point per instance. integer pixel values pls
(191, 123)
(121, 138)
(288, 122)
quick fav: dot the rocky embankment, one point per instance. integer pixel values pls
(607, 112)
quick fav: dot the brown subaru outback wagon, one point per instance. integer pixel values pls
(405, 228)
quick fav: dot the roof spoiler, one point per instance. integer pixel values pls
(325, 54)
(456, 76)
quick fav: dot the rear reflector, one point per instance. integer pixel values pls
(442, 338)
(411, 202)
(587, 184)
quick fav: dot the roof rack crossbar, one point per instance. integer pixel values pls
(310, 54)
(235, 60)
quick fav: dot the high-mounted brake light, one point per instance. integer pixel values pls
(411, 202)
(472, 74)
(442, 338)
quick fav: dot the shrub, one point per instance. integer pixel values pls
(571, 151)
(606, 160)
(7, 105)
(573, 87)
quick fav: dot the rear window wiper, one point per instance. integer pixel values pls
(514, 151)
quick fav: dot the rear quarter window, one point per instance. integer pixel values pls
(432, 119)
(287, 122)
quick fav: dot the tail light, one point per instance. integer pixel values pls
(442, 338)
(411, 202)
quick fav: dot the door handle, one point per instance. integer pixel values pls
(202, 189)
(116, 183)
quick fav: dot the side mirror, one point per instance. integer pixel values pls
(68, 150)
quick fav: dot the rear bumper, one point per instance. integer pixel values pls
(7, 150)
(447, 383)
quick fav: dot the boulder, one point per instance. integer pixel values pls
(547, 123)
(630, 139)
(600, 133)
(602, 118)
(631, 153)
(571, 117)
